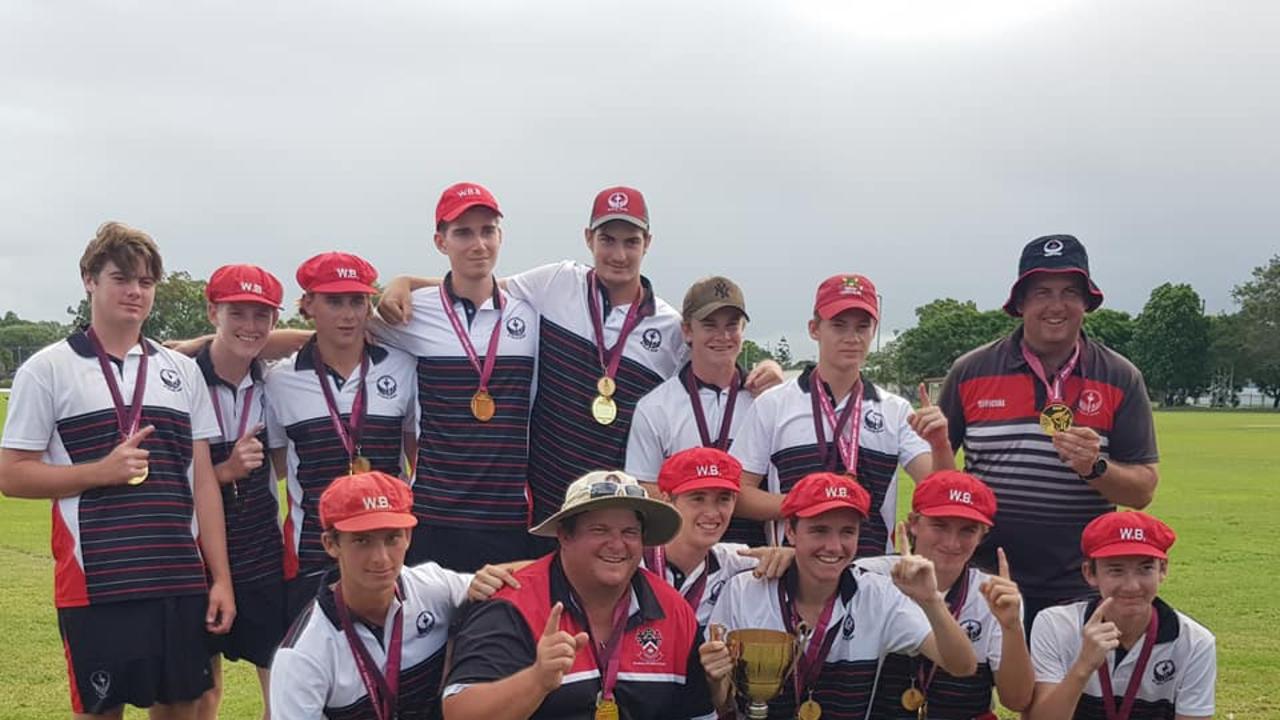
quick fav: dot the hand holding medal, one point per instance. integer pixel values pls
(127, 462)
(1079, 447)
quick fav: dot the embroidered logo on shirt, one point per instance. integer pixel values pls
(1090, 402)
(426, 621)
(651, 340)
(386, 386)
(873, 421)
(101, 682)
(846, 628)
(1164, 671)
(650, 641)
(972, 628)
(171, 379)
(515, 328)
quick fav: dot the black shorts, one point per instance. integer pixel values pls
(468, 549)
(136, 652)
(298, 592)
(259, 625)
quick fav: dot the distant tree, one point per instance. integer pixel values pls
(1171, 344)
(178, 312)
(752, 353)
(1113, 328)
(882, 368)
(946, 329)
(1229, 359)
(20, 338)
(783, 353)
(1260, 324)
(296, 322)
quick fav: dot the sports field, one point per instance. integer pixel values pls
(1219, 489)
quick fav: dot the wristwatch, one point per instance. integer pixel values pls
(1099, 469)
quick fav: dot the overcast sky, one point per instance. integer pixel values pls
(778, 141)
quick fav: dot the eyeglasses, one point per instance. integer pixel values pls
(609, 488)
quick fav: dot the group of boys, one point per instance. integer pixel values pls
(447, 436)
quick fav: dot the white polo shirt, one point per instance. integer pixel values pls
(721, 564)
(871, 617)
(298, 419)
(314, 674)
(778, 441)
(1179, 678)
(469, 473)
(125, 542)
(948, 696)
(564, 440)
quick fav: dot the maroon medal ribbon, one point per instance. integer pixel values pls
(722, 440)
(824, 412)
(383, 687)
(610, 660)
(243, 422)
(491, 353)
(612, 357)
(1054, 389)
(809, 664)
(350, 433)
(956, 598)
(1135, 679)
(127, 420)
(655, 558)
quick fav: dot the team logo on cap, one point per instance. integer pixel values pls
(376, 502)
(619, 201)
(250, 287)
(101, 682)
(837, 491)
(712, 470)
(1053, 248)
(851, 286)
(873, 421)
(468, 191)
(1164, 671)
(846, 627)
(1133, 535)
(515, 328)
(346, 273)
(1090, 402)
(171, 379)
(426, 621)
(651, 340)
(386, 386)
(721, 290)
(960, 496)
(972, 628)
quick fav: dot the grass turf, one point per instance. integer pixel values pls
(1218, 489)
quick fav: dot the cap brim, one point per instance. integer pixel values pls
(1095, 295)
(704, 484)
(619, 216)
(376, 521)
(835, 307)
(457, 212)
(957, 511)
(249, 298)
(828, 506)
(1130, 549)
(343, 287)
(661, 520)
(705, 311)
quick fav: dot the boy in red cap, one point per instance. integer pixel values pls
(950, 513)
(339, 406)
(832, 419)
(372, 645)
(243, 306)
(1128, 654)
(847, 622)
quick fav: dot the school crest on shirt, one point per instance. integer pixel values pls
(873, 420)
(651, 340)
(386, 386)
(426, 621)
(650, 642)
(715, 592)
(847, 627)
(171, 379)
(972, 628)
(1090, 402)
(516, 328)
(1163, 671)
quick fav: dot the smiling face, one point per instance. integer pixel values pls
(948, 541)
(617, 249)
(472, 242)
(369, 561)
(242, 327)
(716, 340)
(603, 549)
(121, 296)
(844, 340)
(1053, 308)
(1131, 581)
(825, 543)
(340, 318)
(705, 515)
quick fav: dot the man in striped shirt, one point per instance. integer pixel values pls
(1058, 425)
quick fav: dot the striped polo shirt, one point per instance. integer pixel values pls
(564, 440)
(469, 473)
(870, 619)
(298, 419)
(992, 402)
(721, 564)
(1179, 678)
(778, 442)
(112, 544)
(255, 547)
(664, 424)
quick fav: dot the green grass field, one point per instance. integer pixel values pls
(1219, 489)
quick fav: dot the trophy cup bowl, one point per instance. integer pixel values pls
(762, 662)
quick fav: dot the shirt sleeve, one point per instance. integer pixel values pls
(299, 686)
(412, 408)
(492, 642)
(455, 583)
(910, 445)
(1048, 656)
(204, 425)
(1133, 432)
(952, 407)
(1195, 696)
(906, 627)
(534, 286)
(731, 561)
(30, 423)
(645, 454)
(753, 445)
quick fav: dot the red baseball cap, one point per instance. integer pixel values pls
(244, 283)
(460, 197)
(821, 492)
(951, 493)
(619, 203)
(844, 292)
(1126, 533)
(337, 272)
(368, 501)
(700, 468)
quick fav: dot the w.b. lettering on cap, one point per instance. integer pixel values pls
(960, 496)
(377, 502)
(251, 287)
(839, 491)
(468, 191)
(346, 273)
(707, 470)
(1133, 534)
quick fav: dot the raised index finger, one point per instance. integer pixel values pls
(136, 439)
(1003, 562)
(1099, 615)
(924, 396)
(901, 541)
(553, 620)
(253, 431)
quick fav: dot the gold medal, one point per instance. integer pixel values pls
(809, 710)
(1055, 417)
(912, 699)
(607, 710)
(606, 386)
(360, 464)
(482, 406)
(138, 480)
(604, 410)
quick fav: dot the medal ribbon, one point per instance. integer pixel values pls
(491, 353)
(243, 422)
(609, 662)
(1053, 389)
(809, 664)
(348, 434)
(956, 598)
(655, 558)
(612, 357)
(383, 687)
(722, 440)
(824, 412)
(127, 420)
(1135, 679)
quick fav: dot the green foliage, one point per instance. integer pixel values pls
(783, 353)
(1171, 342)
(20, 338)
(1113, 328)
(178, 313)
(751, 354)
(1260, 323)
(946, 330)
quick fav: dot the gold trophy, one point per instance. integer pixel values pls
(763, 661)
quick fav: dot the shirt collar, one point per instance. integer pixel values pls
(648, 306)
(469, 306)
(645, 606)
(204, 359)
(79, 342)
(847, 588)
(324, 595)
(305, 359)
(687, 371)
(869, 389)
(1010, 347)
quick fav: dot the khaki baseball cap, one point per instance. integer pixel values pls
(709, 295)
